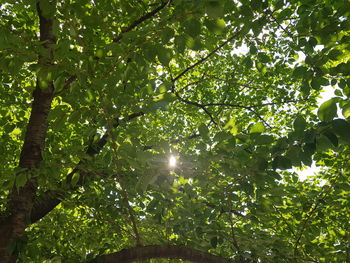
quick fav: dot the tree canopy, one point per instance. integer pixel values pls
(173, 130)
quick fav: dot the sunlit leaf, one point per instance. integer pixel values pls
(328, 110)
(257, 128)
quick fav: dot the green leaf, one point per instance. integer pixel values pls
(7, 184)
(284, 13)
(310, 136)
(214, 242)
(263, 57)
(323, 143)
(248, 63)
(59, 83)
(180, 43)
(204, 131)
(193, 43)
(328, 110)
(150, 52)
(342, 129)
(221, 136)
(152, 205)
(299, 124)
(306, 158)
(16, 131)
(338, 92)
(216, 26)
(75, 116)
(282, 162)
(317, 82)
(346, 111)
(43, 84)
(334, 54)
(167, 34)
(127, 111)
(146, 179)
(214, 9)
(75, 179)
(305, 89)
(247, 188)
(164, 55)
(144, 156)
(99, 53)
(257, 128)
(299, 72)
(293, 154)
(263, 139)
(274, 175)
(332, 137)
(193, 27)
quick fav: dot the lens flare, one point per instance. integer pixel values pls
(172, 161)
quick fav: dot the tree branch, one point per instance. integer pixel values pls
(284, 220)
(270, 13)
(67, 84)
(206, 57)
(322, 195)
(47, 201)
(203, 107)
(140, 20)
(244, 85)
(132, 217)
(171, 252)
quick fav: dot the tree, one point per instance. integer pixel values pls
(96, 96)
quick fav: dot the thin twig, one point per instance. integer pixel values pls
(112, 123)
(250, 106)
(233, 235)
(140, 20)
(206, 57)
(233, 82)
(131, 215)
(279, 24)
(323, 194)
(203, 107)
(284, 220)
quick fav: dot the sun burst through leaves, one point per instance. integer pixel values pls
(172, 161)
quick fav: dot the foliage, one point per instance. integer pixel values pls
(229, 88)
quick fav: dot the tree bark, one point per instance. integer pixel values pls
(15, 219)
(171, 252)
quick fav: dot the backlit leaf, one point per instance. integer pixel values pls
(257, 128)
(328, 110)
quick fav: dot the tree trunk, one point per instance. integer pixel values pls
(15, 219)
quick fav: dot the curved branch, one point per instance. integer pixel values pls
(46, 202)
(158, 251)
(203, 107)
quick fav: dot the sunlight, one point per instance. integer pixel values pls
(307, 172)
(172, 161)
